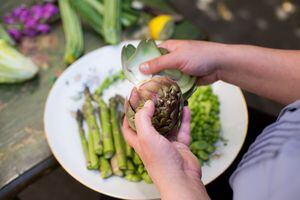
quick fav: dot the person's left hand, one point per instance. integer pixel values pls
(171, 165)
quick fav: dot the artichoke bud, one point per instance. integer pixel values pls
(167, 90)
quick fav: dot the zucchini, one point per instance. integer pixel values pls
(112, 21)
(73, 32)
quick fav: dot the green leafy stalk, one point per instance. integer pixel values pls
(92, 154)
(107, 138)
(73, 32)
(84, 142)
(112, 21)
(91, 120)
(133, 177)
(117, 135)
(105, 168)
(115, 167)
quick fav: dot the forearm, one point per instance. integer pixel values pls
(271, 73)
(181, 187)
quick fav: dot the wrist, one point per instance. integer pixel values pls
(223, 59)
(183, 187)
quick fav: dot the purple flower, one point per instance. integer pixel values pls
(8, 19)
(30, 32)
(30, 22)
(43, 28)
(49, 11)
(37, 11)
(15, 33)
(24, 15)
(17, 11)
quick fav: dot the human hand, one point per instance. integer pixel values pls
(171, 165)
(198, 58)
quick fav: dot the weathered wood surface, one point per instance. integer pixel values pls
(22, 141)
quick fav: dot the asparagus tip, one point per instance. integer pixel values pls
(79, 116)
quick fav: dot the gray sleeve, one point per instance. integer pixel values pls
(271, 167)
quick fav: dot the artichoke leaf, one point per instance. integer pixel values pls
(147, 50)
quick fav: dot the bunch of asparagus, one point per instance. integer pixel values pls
(104, 147)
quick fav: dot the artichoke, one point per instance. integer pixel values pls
(168, 89)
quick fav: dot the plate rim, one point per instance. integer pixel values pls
(245, 132)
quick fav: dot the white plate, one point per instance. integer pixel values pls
(62, 134)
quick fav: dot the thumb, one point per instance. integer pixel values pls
(158, 64)
(143, 119)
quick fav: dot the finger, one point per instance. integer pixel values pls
(156, 65)
(129, 135)
(207, 79)
(184, 131)
(171, 45)
(172, 136)
(143, 119)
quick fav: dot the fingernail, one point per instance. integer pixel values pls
(144, 67)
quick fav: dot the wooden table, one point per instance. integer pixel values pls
(24, 152)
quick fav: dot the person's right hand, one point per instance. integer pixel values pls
(198, 58)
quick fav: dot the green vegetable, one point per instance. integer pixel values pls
(73, 32)
(147, 178)
(115, 167)
(14, 67)
(107, 138)
(117, 135)
(108, 81)
(133, 177)
(89, 11)
(140, 169)
(146, 50)
(112, 21)
(129, 151)
(205, 124)
(84, 142)
(91, 120)
(136, 159)
(92, 154)
(105, 168)
(130, 167)
(5, 36)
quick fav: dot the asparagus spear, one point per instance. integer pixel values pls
(92, 155)
(105, 168)
(89, 114)
(120, 100)
(130, 167)
(136, 159)
(140, 169)
(84, 142)
(146, 178)
(129, 151)
(117, 135)
(115, 167)
(108, 144)
(133, 177)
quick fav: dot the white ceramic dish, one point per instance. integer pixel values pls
(62, 135)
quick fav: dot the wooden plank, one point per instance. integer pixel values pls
(22, 141)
